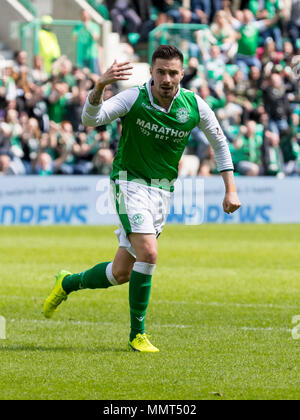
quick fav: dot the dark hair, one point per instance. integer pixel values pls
(167, 52)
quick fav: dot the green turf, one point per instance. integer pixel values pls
(221, 310)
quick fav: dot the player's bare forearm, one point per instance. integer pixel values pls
(95, 96)
(231, 201)
(229, 182)
(118, 71)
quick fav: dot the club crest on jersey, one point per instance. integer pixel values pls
(138, 219)
(182, 115)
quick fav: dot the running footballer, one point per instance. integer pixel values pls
(157, 119)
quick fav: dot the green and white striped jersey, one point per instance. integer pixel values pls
(153, 139)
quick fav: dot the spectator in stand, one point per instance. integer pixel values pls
(87, 147)
(224, 34)
(292, 166)
(143, 9)
(87, 35)
(30, 141)
(215, 100)
(5, 135)
(8, 90)
(62, 70)
(83, 153)
(20, 75)
(267, 9)
(190, 72)
(20, 62)
(5, 164)
(16, 166)
(124, 16)
(74, 108)
(38, 75)
(288, 55)
(103, 161)
(235, 5)
(230, 117)
(214, 63)
(43, 165)
(239, 90)
(15, 131)
(65, 148)
(294, 25)
(36, 106)
(198, 13)
(254, 95)
(207, 164)
(248, 39)
(49, 48)
(57, 101)
(270, 56)
(277, 104)
(246, 150)
(272, 157)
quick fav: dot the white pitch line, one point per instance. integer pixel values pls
(266, 329)
(232, 304)
(170, 302)
(99, 323)
(84, 323)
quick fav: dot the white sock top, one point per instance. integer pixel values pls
(144, 268)
(110, 276)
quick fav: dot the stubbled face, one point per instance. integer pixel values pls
(166, 75)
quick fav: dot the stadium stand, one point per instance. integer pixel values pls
(242, 57)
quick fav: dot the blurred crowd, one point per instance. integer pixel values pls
(245, 63)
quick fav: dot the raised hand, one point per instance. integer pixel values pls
(117, 71)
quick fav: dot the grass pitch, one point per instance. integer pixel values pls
(221, 310)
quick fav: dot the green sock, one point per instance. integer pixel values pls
(139, 296)
(94, 278)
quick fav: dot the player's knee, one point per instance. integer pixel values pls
(148, 255)
(122, 276)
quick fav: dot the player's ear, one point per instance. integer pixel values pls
(182, 74)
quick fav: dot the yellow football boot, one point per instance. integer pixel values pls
(142, 344)
(57, 296)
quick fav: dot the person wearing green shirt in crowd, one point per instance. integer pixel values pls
(57, 101)
(49, 48)
(248, 39)
(215, 102)
(43, 165)
(87, 35)
(267, 9)
(214, 65)
(246, 149)
(272, 156)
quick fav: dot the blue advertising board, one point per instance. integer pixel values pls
(85, 200)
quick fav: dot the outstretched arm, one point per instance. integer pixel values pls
(267, 23)
(214, 133)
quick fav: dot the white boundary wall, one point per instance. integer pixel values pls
(81, 200)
